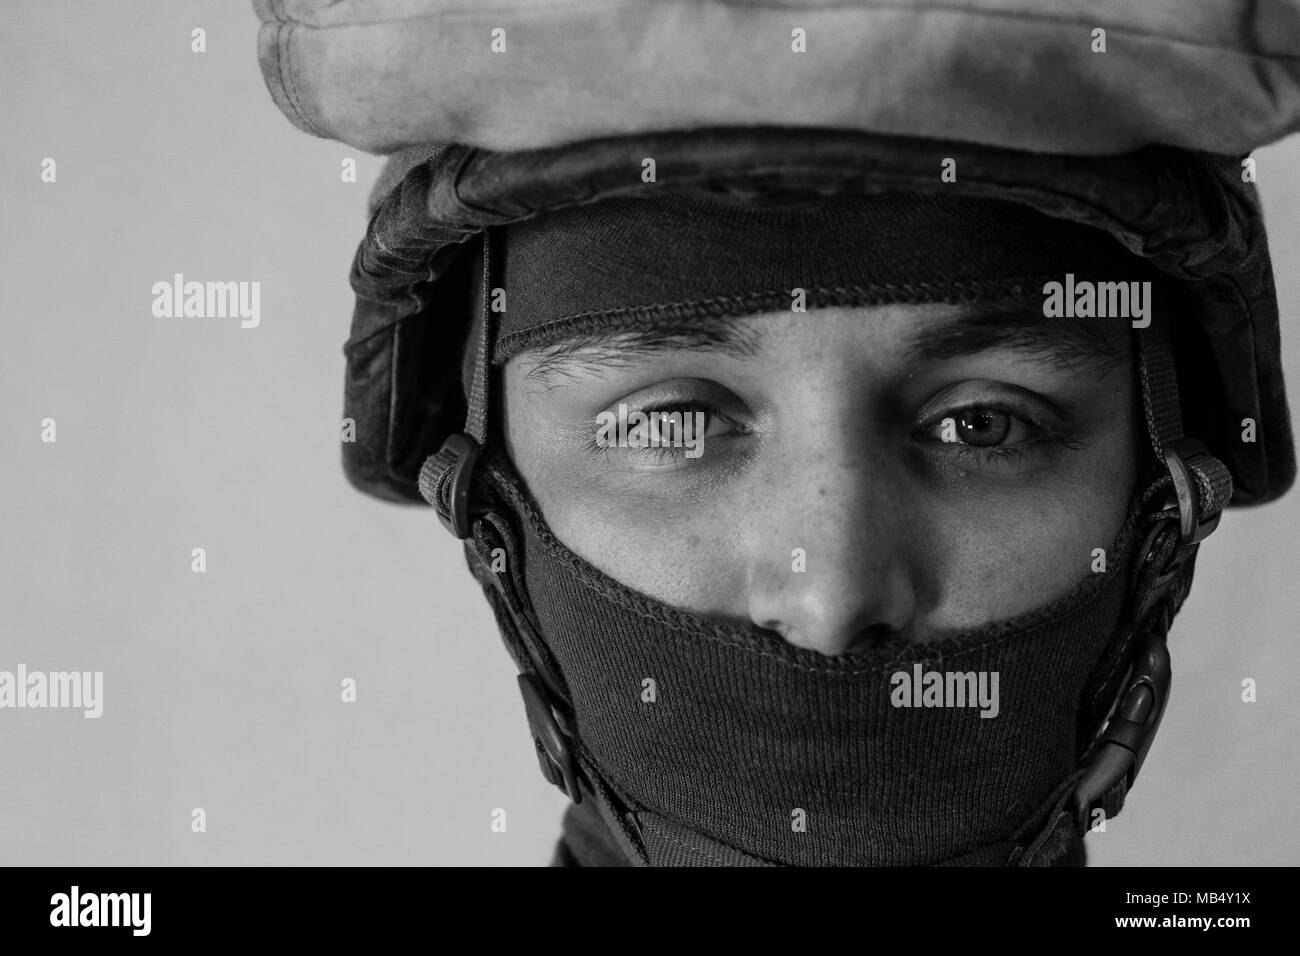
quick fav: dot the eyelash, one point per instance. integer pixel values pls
(1009, 457)
(661, 453)
(994, 458)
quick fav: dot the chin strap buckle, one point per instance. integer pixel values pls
(1132, 728)
(554, 748)
(445, 479)
(1202, 485)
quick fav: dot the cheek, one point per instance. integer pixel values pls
(1009, 556)
(678, 553)
(688, 564)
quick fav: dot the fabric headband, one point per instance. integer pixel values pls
(638, 261)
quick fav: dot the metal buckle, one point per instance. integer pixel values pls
(551, 740)
(1132, 728)
(1179, 454)
(466, 451)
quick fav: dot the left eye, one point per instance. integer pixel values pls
(980, 427)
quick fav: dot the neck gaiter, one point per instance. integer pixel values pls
(729, 745)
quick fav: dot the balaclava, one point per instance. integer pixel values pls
(685, 741)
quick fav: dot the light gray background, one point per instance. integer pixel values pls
(222, 690)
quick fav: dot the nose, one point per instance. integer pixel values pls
(829, 568)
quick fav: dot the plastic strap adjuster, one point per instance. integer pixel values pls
(1194, 471)
(553, 746)
(1132, 728)
(445, 480)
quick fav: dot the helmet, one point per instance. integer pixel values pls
(1102, 125)
(1188, 213)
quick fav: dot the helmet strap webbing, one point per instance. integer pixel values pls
(1186, 502)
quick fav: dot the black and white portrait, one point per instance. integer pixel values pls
(691, 433)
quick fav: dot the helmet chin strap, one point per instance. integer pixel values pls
(447, 475)
(1185, 504)
(1195, 487)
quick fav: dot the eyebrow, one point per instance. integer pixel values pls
(1016, 325)
(621, 346)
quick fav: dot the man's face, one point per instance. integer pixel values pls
(938, 467)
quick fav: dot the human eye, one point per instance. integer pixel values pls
(666, 427)
(998, 435)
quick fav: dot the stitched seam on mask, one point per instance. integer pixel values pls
(713, 859)
(716, 837)
(847, 793)
(682, 626)
(991, 833)
(680, 633)
(513, 343)
(978, 285)
(681, 629)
